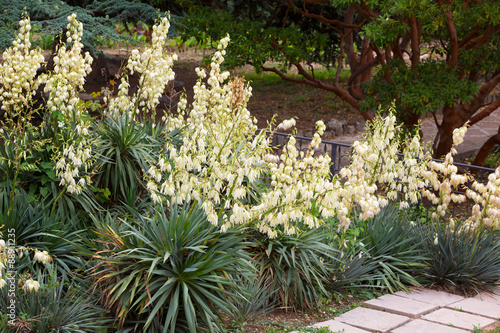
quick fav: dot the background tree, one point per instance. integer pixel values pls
(99, 18)
(429, 56)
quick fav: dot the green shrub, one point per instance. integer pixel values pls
(171, 272)
(125, 147)
(293, 266)
(257, 303)
(35, 173)
(349, 272)
(58, 306)
(394, 246)
(461, 258)
(383, 252)
(36, 228)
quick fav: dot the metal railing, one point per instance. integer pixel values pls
(341, 152)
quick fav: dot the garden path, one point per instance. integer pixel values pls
(420, 311)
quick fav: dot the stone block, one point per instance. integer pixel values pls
(493, 296)
(477, 306)
(337, 326)
(424, 326)
(439, 298)
(458, 319)
(373, 320)
(401, 305)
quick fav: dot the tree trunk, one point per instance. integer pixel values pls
(444, 136)
(486, 148)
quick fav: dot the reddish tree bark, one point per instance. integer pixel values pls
(486, 148)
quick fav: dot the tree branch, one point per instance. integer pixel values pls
(469, 36)
(365, 12)
(311, 81)
(349, 45)
(361, 69)
(486, 148)
(484, 112)
(468, 110)
(415, 42)
(452, 57)
(484, 38)
(320, 17)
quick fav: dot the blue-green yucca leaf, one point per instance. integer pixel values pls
(125, 149)
(293, 265)
(462, 259)
(392, 244)
(384, 252)
(173, 269)
(59, 305)
(36, 228)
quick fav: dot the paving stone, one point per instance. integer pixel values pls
(337, 326)
(373, 320)
(439, 298)
(458, 319)
(493, 297)
(424, 326)
(401, 305)
(476, 306)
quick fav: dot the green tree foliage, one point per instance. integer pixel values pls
(98, 17)
(427, 55)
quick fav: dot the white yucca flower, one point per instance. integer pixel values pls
(286, 124)
(31, 285)
(42, 257)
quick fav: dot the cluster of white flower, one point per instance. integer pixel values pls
(39, 256)
(221, 156)
(443, 178)
(17, 74)
(296, 180)
(376, 161)
(356, 188)
(71, 160)
(64, 84)
(486, 210)
(42, 257)
(286, 124)
(155, 65)
(70, 70)
(218, 157)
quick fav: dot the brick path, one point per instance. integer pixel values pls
(420, 311)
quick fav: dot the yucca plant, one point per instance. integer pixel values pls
(390, 247)
(294, 267)
(36, 228)
(36, 172)
(349, 272)
(172, 272)
(462, 258)
(256, 304)
(124, 148)
(57, 306)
